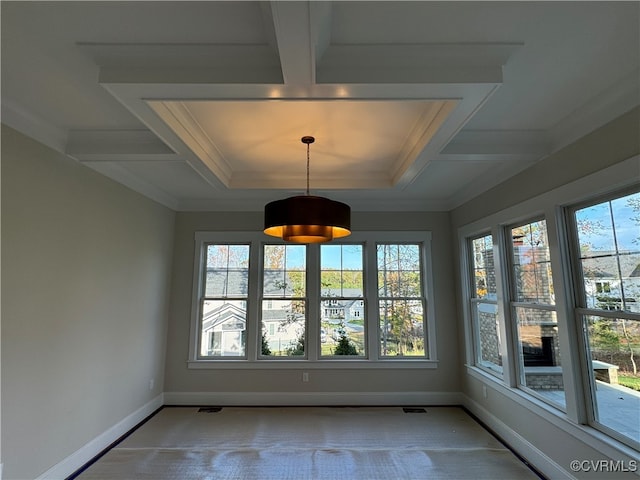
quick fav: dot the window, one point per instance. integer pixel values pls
(284, 300)
(534, 314)
(341, 295)
(223, 303)
(484, 304)
(568, 291)
(606, 254)
(400, 300)
(363, 300)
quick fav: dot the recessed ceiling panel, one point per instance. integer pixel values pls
(257, 144)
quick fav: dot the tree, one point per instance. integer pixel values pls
(532, 263)
(402, 329)
(401, 309)
(633, 201)
(222, 256)
(599, 226)
(298, 349)
(627, 337)
(345, 347)
(265, 345)
(603, 337)
(285, 286)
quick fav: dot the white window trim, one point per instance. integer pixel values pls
(580, 310)
(313, 359)
(473, 353)
(511, 299)
(552, 206)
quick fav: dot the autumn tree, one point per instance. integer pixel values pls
(285, 287)
(400, 294)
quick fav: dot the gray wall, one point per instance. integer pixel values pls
(85, 280)
(605, 147)
(348, 383)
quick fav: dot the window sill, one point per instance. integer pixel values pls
(585, 433)
(286, 364)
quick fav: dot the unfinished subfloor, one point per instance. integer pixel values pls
(309, 443)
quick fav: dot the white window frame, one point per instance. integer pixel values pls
(313, 359)
(514, 303)
(581, 310)
(333, 303)
(552, 206)
(424, 297)
(262, 298)
(471, 300)
(202, 240)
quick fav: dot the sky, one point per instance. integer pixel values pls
(606, 224)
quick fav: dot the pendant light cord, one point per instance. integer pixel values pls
(307, 169)
(307, 140)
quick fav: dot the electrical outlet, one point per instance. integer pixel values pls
(305, 376)
(152, 383)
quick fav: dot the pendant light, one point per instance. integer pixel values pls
(307, 218)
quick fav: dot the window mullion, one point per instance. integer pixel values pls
(254, 301)
(313, 302)
(538, 306)
(613, 314)
(568, 343)
(508, 332)
(472, 334)
(199, 275)
(371, 300)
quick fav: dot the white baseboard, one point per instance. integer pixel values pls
(83, 455)
(312, 398)
(540, 461)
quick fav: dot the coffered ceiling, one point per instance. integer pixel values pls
(414, 105)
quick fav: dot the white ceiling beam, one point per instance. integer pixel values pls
(191, 76)
(192, 63)
(296, 47)
(320, 17)
(445, 63)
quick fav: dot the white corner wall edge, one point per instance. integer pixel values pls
(525, 449)
(84, 454)
(312, 398)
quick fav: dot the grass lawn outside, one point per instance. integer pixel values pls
(630, 381)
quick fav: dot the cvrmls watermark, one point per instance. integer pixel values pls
(603, 466)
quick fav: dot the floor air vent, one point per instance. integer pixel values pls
(413, 410)
(209, 409)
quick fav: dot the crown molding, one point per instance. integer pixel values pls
(33, 126)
